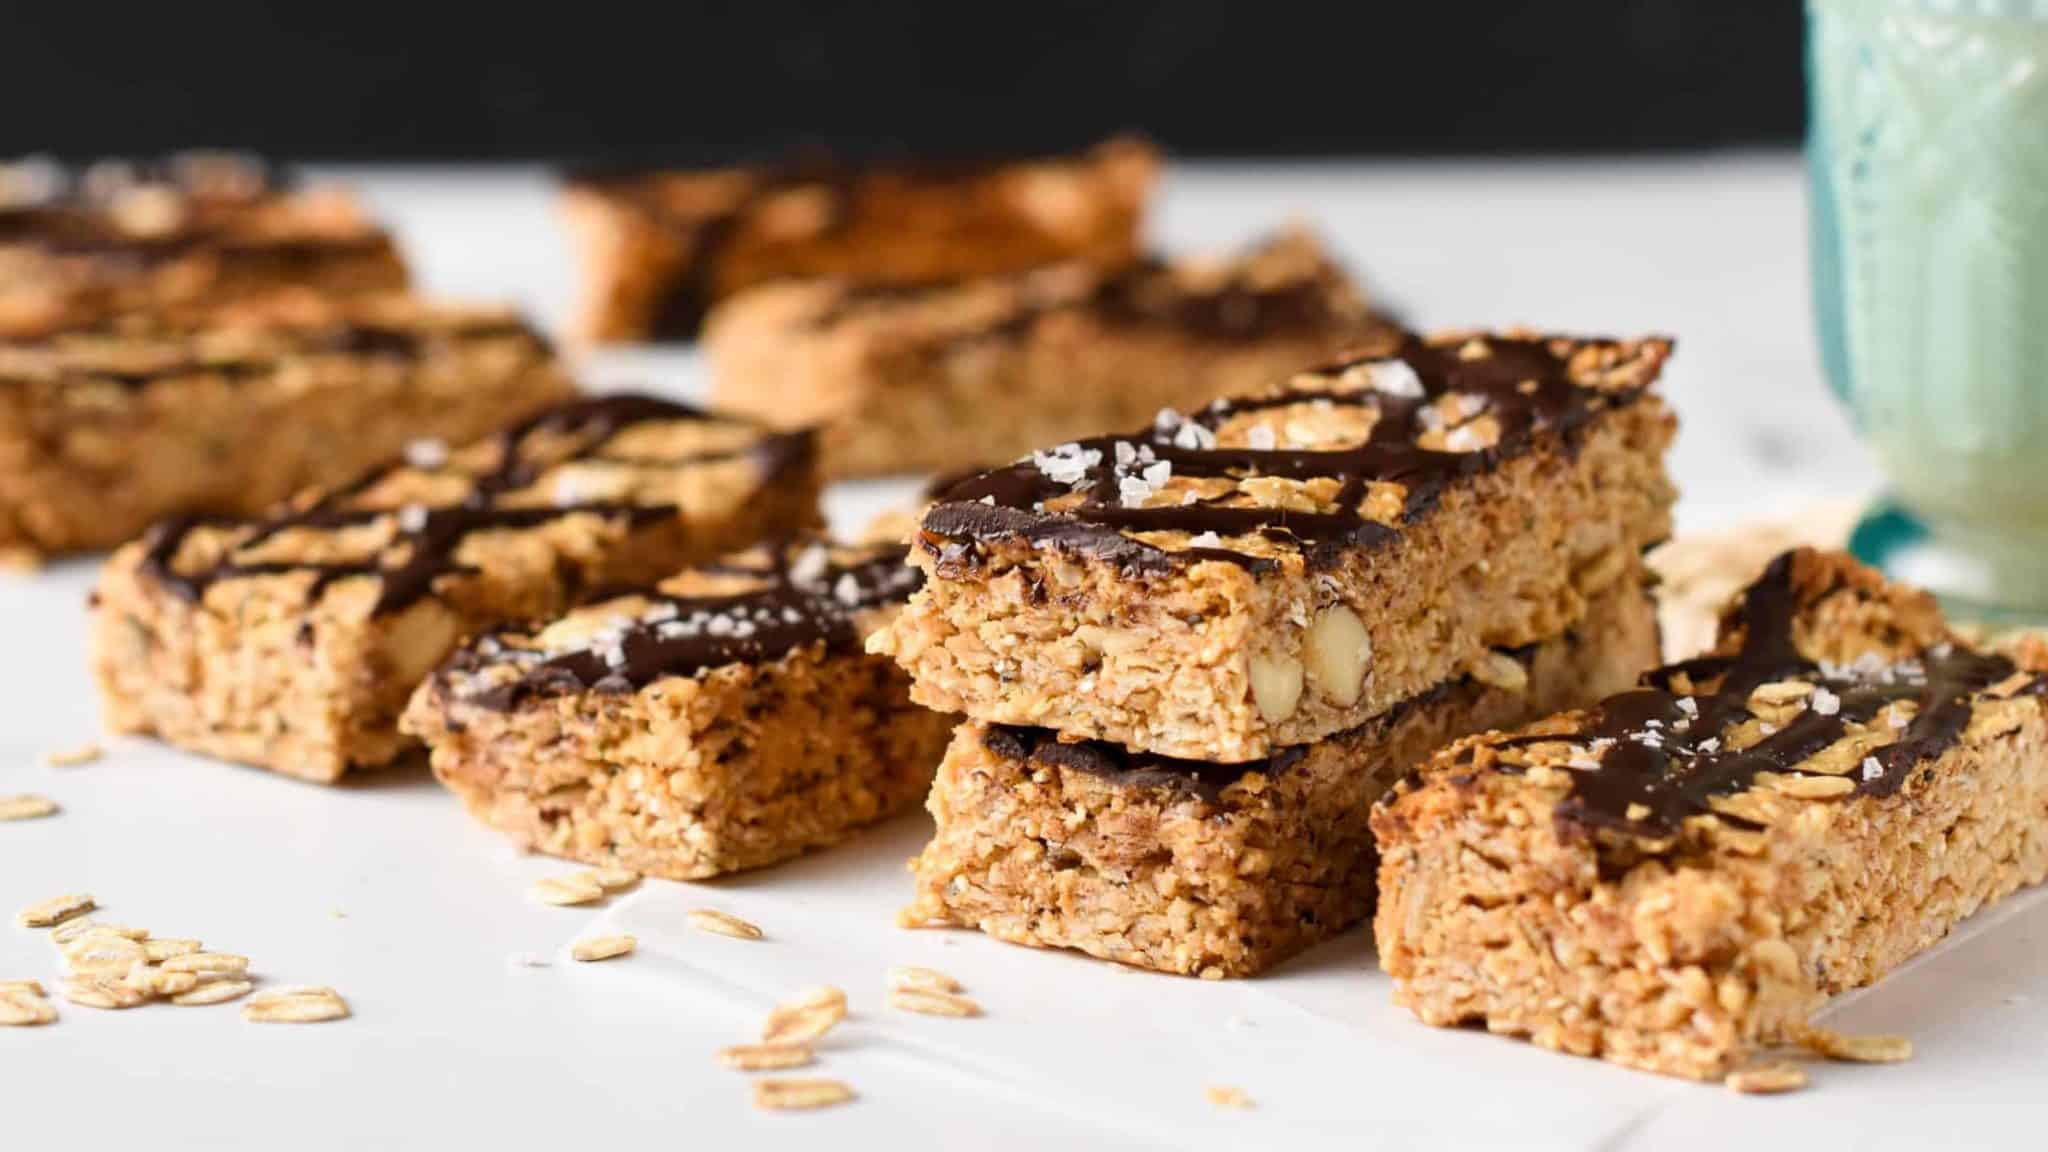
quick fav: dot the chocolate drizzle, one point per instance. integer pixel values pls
(174, 350)
(796, 605)
(1146, 295)
(1524, 385)
(1665, 753)
(423, 546)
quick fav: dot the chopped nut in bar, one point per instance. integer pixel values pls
(723, 719)
(293, 642)
(1677, 878)
(1286, 565)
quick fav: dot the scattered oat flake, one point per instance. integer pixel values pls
(926, 1003)
(101, 992)
(26, 806)
(810, 1015)
(594, 948)
(55, 911)
(158, 951)
(723, 923)
(1874, 1049)
(614, 879)
(1760, 1079)
(73, 757)
(766, 1057)
(527, 960)
(226, 962)
(103, 954)
(32, 987)
(1224, 1096)
(24, 1007)
(785, 1095)
(575, 888)
(214, 992)
(924, 979)
(295, 1005)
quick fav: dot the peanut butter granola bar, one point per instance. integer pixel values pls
(942, 378)
(1201, 868)
(661, 248)
(293, 642)
(192, 231)
(108, 428)
(1681, 876)
(1286, 565)
(723, 719)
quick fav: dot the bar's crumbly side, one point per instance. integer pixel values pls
(947, 377)
(1287, 565)
(106, 429)
(293, 642)
(724, 719)
(192, 231)
(1211, 869)
(1678, 878)
(660, 249)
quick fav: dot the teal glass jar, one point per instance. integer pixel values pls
(1927, 159)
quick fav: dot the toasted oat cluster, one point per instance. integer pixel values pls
(108, 427)
(946, 377)
(80, 245)
(662, 248)
(1287, 564)
(724, 718)
(204, 626)
(1677, 878)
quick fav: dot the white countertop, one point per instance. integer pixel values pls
(385, 890)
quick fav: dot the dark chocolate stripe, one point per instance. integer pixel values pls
(1145, 295)
(1525, 387)
(430, 547)
(1673, 764)
(778, 618)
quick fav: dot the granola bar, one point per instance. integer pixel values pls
(105, 429)
(293, 641)
(725, 718)
(661, 248)
(1682, 875)
(79, 246)
(943, 378)
(1201, 868)
(1286, 565)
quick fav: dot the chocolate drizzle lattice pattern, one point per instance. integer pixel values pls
(424, 540)
(1095, 497)
(796, 595)
(1661, 752)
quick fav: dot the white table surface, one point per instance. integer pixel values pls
(385, 890)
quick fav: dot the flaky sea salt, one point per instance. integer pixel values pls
(1824, 702)
(1394, 378)
(1261, 439)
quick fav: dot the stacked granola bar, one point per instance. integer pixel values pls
(1679, 876)
(1192, 657)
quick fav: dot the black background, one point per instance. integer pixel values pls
(703, 82)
